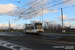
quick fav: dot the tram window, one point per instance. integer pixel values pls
(39, 26)
(32, 27)
(27, 28)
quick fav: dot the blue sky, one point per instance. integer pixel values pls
(69, 12)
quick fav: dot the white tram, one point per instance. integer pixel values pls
(33, 28)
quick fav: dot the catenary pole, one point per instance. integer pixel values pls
(62, 17)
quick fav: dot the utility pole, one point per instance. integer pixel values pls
(24, 28)
(42, 18)
(9, 25)
(30, 21)
(30, 16)
(62, 18)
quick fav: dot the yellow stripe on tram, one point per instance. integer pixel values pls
(39, 29)
(30, 31)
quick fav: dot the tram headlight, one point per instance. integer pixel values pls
(40, 30)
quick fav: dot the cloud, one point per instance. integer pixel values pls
(71, 2)
(64, 17)
(35, 14)
(36, 20)
(17, 12)
(6, 8)
(52, 11)
(46, 20)
(10, 9)
(34, 11)
(55, 20)
(67, 24)
(6, 26)
(71, 19)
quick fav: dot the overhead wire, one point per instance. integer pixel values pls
(37, 6)
(53, 5)
(57, 4)
(66, 7)
(30, 8)
(25, 5)
(44, 7)
(64, 2)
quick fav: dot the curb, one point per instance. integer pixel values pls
(65, 42)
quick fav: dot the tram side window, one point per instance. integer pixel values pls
(32, 27)
(27, 28)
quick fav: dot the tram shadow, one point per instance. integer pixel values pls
(33, 33)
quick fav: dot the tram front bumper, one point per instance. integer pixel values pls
(40, 30)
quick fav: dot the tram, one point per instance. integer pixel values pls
(33, 28)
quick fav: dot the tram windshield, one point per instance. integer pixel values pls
(38, 26)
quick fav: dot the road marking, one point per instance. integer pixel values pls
(12, 46)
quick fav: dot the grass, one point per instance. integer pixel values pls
(68, 32)
(67, 39)
(12, 31)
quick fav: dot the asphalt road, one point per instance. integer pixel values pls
(35, 42)
(4, 48)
